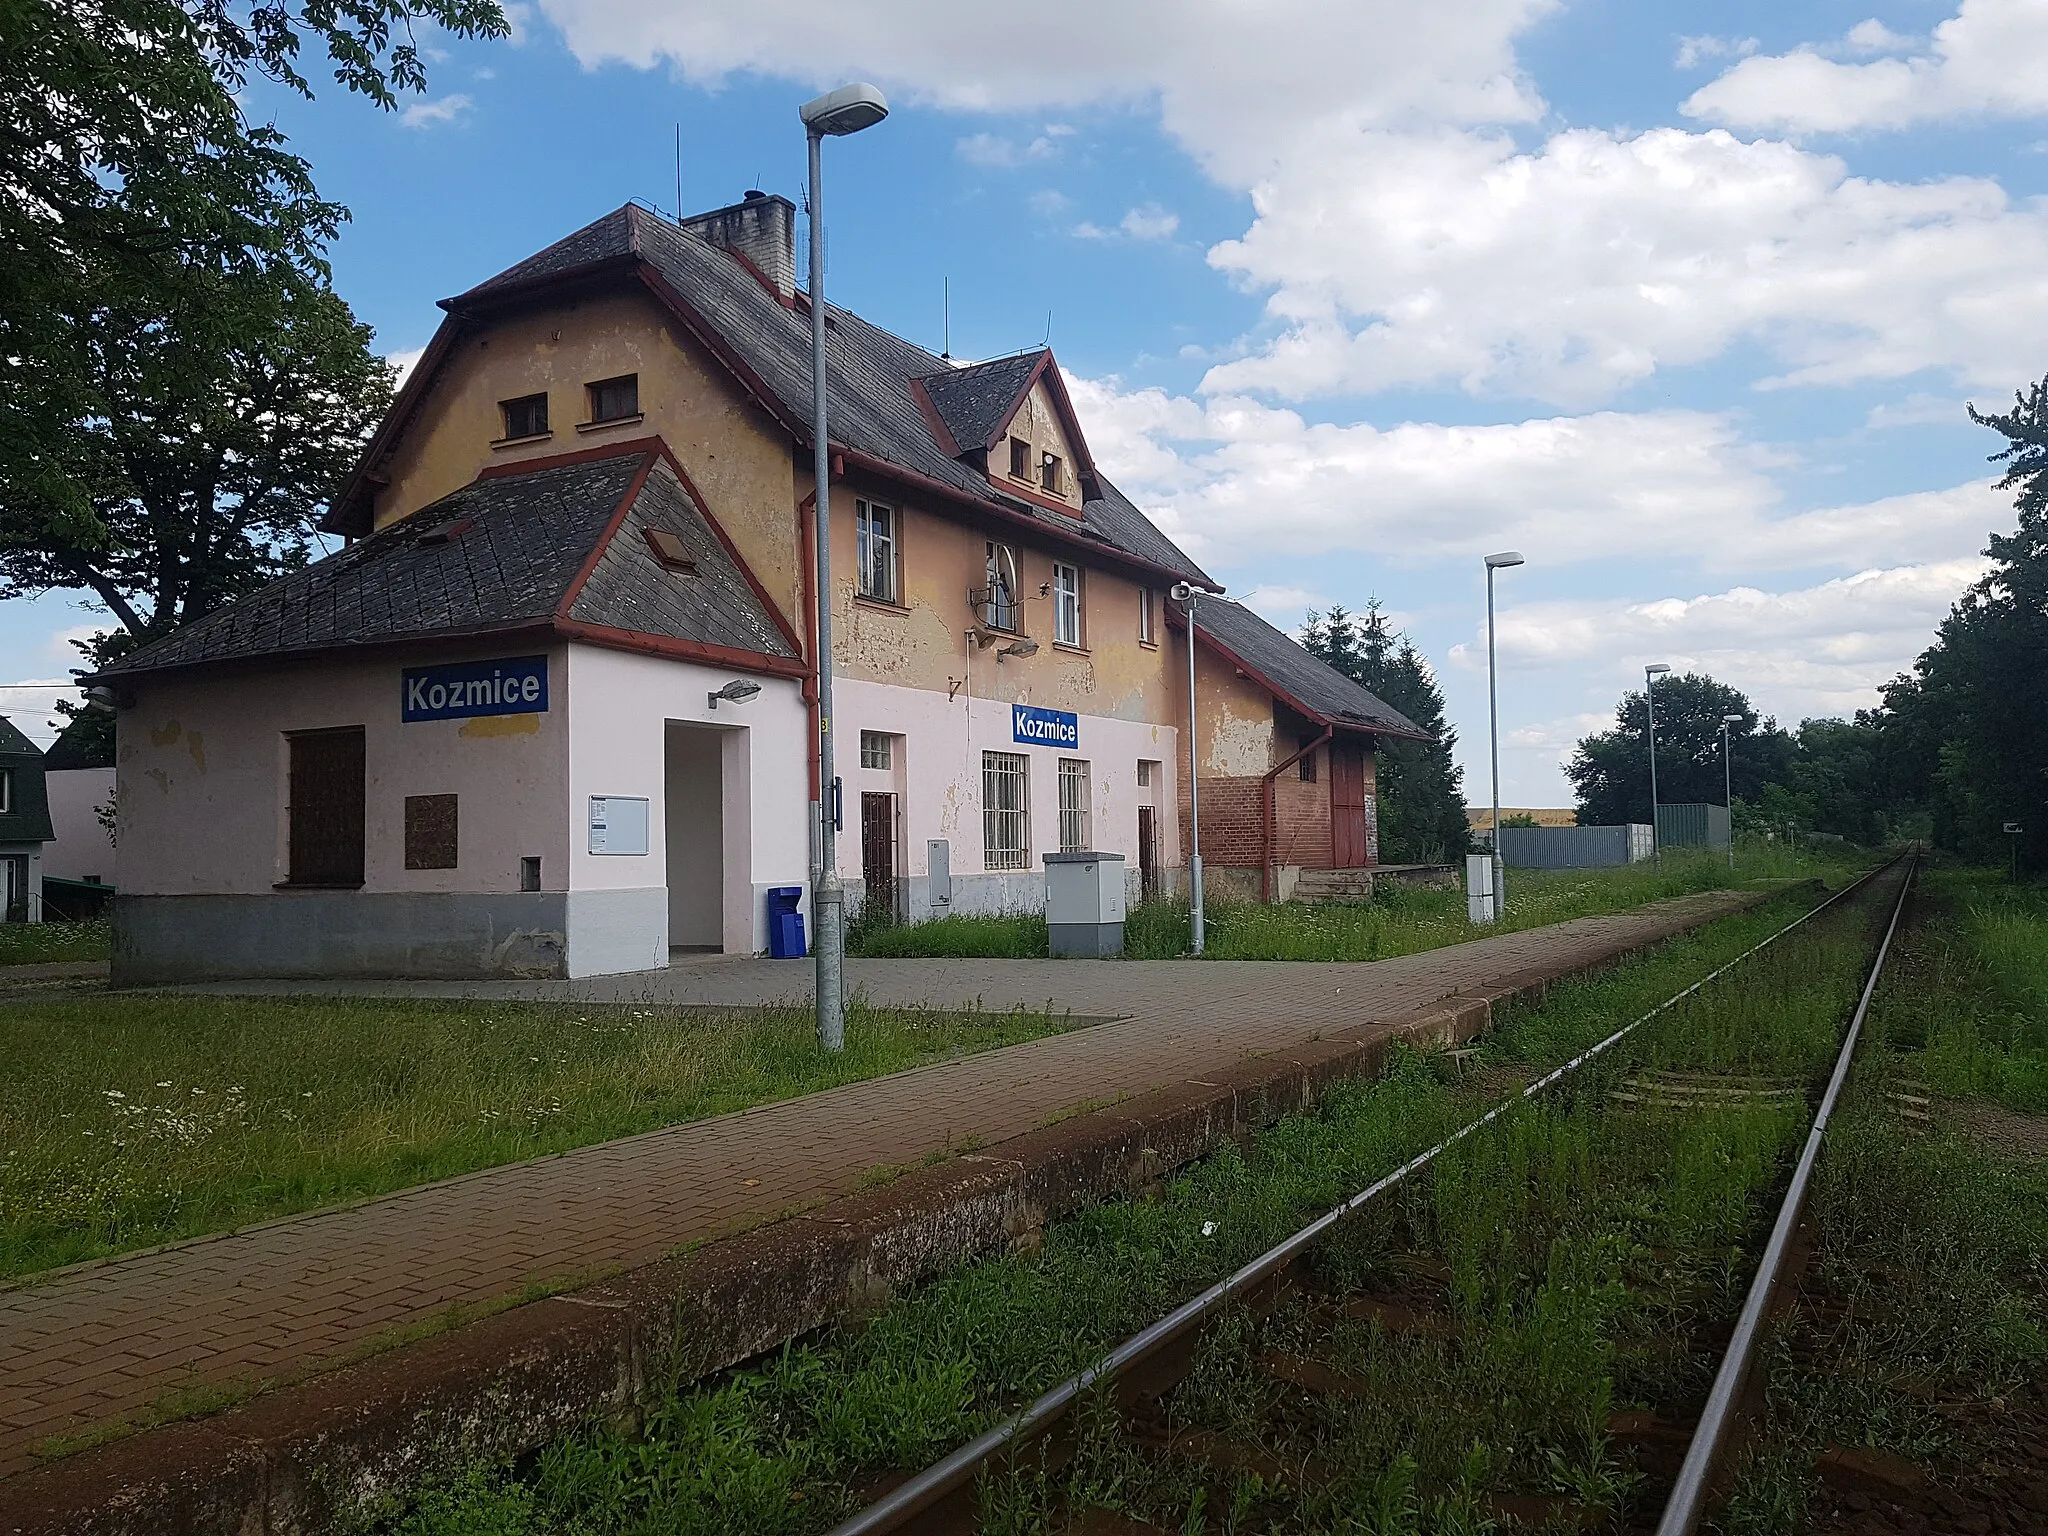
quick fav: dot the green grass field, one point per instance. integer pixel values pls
(1400, 921)
(50, 943)
(133, 1120)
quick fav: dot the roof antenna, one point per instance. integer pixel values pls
(1048, 330)
(679, 173)
(946, 319)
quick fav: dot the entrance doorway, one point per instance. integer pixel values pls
(878, 849)
(1347, 806)
(14, 890)
(694, 792)
(1148, 851)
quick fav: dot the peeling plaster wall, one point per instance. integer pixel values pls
(1038, 424)
(737, 456)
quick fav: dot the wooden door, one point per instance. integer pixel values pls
(1148, 851)
(878, 847)
(1347, 806)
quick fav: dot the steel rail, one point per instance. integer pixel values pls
(1687, 1503)
(903, 1503)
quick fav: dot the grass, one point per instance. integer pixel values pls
(1401, 920)
(131, 1121)
(1931, 1260)
(50, 943)
(1548, 1230)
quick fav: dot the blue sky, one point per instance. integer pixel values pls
(1681, 300)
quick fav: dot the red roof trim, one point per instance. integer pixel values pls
(1320, 717)
(603, 541)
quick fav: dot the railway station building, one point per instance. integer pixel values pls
(550, 710)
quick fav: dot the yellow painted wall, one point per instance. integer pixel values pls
(739, 459)
(1039, 425)
(1234, 732)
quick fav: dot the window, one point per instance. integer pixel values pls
(1073, 805)
(6, 790)
(874, 749)
(1020, 458)
(999, 600)
(1144, 774)
(1307, 766)
(430, 831)
(669, 551)
(324, 816)
(615, 399)
(525, 417)
(1005, 811)
(874, 538)
(1066, 604)
(1049, 474)
(1147, 634)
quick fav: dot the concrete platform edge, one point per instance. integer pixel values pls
(298, 1460)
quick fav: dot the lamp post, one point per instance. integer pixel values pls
(1650, 675)
(1728, 784)
(1185, 594)
(834, 114)
(1499, 562)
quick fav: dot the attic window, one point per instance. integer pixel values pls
(448, 532)
(670, 552)
(1020, 458)
(525, 417)
(615, 399)
(1049, 475)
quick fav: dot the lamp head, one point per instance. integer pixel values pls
(738, 691)
(1731, 719)
(1655, 669)
(1504, 559)
(846, 110)
(1019, 647)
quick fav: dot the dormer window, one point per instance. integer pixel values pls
(1020, 459)
(615, 399)
(525, 417)
(1050, 473)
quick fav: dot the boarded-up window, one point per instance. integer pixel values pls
(430, 831)
(326, 807)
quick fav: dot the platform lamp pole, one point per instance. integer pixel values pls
(835, 114)
(1499, 562)
(1728, 784)
(1650, 675)
(1187, 597)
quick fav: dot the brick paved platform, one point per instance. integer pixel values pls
(271, 1303)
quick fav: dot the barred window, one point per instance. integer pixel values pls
(1066, 604)
(874, 535)
(1073, 805)
(874, 749)
(1005, 810)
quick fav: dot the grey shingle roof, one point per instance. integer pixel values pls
(514, 567)
(1282, 663)
(28, 820)
(868, 371)
(975, 401)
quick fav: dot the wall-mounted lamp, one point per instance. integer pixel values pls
(738, 691)
(102, 697)
(1018, 648)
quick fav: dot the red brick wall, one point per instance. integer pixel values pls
(1232, 819)
(1301, 820)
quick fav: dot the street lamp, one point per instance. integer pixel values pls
(1185, 594)
(1650, 675)
(1499, 562)
(835, 114)
(1728, 784)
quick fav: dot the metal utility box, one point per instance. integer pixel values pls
(1575, 847)
(1692, 825)
(1084, 904)
(1482, 887)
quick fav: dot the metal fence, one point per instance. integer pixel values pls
(1575, 847)
(1695, 825)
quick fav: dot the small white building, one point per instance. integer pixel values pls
(24, 827)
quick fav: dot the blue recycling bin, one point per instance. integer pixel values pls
(785, 923)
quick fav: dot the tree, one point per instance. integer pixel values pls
(1611, 771)
(1419, 787)
(1969, 713)
(161, 269)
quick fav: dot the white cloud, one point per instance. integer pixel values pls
(1147, 222)
(995, 151)
(445, 109)
(1918, 409)
(1592, 262)
(405, 362)
(1284, 607)
(1695, 51)
(1820, 650)
(1988, 60)
(1049, 203)
(1237, 479)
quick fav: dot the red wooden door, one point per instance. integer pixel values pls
(1347, 806)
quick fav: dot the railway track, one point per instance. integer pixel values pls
(1299, 1320)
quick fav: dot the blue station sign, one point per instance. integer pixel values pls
(1035, 727)
(512, 685)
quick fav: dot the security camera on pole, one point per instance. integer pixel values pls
(1187, 597)
(835, 114)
